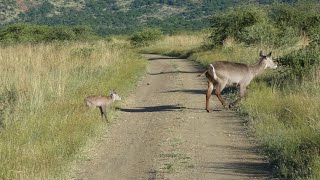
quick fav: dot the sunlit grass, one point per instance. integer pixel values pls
(177, 45)
(43, 119)
(287, 125)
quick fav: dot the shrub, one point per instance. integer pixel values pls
(302, 15)
(232, 23)
(314, 34)
(27, 33)
(269, 35)
(303, 62)
(145, 37)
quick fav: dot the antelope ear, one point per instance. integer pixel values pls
(269, 54)
(260, 54)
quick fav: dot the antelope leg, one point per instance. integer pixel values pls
(219, 89)
(208, 95)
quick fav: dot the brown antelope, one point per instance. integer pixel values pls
(102, 102)
(222, 73)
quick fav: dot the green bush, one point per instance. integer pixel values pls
(302, 63)
(302, 15)
(27, 33)
(314, 34)
(232, 23)
(145, 37)
(269, 35)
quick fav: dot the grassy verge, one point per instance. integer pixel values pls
(285, 120)
(181, 45)
(43, 119)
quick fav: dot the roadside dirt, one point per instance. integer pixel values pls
(164, 132)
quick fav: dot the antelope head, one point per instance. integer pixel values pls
(268, 61)
(115, 96)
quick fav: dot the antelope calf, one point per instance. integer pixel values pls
(222, 73)
(102, 102)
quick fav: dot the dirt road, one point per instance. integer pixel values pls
(164, 132)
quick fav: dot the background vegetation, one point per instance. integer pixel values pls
(28, 33)
(107, 17)
(145, 37)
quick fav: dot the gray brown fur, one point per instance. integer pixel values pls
(102, 102)
(223, 73)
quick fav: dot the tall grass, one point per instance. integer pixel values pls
(287, 124)
(180, 45)
(43, 119)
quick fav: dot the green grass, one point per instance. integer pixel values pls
(181, 45)
(288, 127)
(43, 118)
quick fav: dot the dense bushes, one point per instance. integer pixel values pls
(27, 33)
(145, 37)
(273, 26)
(302, 63)
(231, 24)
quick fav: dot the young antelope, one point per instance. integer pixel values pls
(102, 102)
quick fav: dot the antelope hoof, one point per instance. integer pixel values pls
(232, 105)
(208, 110)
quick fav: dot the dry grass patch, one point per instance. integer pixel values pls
(176, 45)
(43, 119)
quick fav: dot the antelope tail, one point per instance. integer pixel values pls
(211, 71)
(203, 73)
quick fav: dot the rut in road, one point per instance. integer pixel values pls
(164, 132)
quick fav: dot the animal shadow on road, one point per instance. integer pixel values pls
(176, 72)
(153, 109)
(226, 91)
(161, 58)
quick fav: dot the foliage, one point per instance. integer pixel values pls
(266, 34)
(314, 34)
(232, 23)
(303, 15)
(108, 17)
(302, 63)
(145, 37)
(27, 33)
(273, 26)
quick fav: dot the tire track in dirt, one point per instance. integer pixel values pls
(164, 132)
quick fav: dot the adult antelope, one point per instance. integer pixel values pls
(222, 73)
